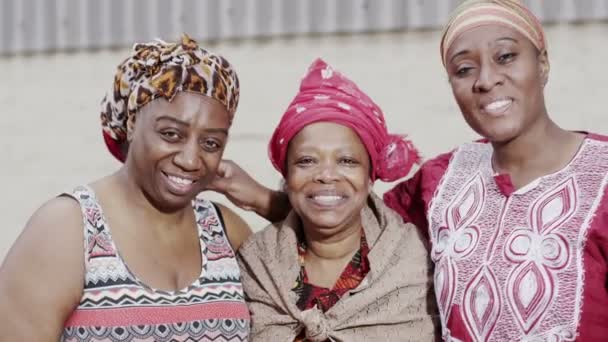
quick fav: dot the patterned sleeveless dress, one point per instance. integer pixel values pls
(117, 306)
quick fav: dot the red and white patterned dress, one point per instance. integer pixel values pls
(116, 306)
(524, 265)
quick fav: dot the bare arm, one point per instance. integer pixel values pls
(42, 277)
(246, 193)
(237, 229)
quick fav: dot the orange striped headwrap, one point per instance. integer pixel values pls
(475, 13)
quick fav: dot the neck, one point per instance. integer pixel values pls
(335, 246)
(533, 149)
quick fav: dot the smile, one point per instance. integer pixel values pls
(498, 107)
(179, 185)
(327, 201)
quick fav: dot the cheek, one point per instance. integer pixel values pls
(152, 144)
(143, 150)
(462, 95)
(212, 162)
(360, 181)
(532, 84)
(295, 179)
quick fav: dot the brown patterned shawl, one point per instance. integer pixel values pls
(394, 302)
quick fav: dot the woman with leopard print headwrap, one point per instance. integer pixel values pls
(165, 270)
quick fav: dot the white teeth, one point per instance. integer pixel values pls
(179, 180)
(496, 105)
(327, 199)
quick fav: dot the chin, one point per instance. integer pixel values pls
(172, 203)
(499, 134)
(326, 224)
(498, 138)
(329, 222)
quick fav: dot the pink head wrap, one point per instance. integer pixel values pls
(328, 96)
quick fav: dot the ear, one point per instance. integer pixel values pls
(544, 66)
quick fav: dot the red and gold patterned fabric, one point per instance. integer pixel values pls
(310, 295)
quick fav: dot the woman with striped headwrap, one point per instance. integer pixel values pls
(166, 271)
(518, 221)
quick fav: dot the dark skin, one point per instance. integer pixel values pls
(328, 184)
(175, 149)
(498, 78)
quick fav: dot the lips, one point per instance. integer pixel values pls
(179, 185)
(497, 107)
(327, 198)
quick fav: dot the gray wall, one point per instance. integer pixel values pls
(30, 26)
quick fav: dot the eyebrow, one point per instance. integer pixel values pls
(460, 53)
(184, 123)
(464, 52)
(223, 131)
(170, 118)
(508, 38)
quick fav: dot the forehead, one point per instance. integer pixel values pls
(486, 36)
(187, 107)
(326, 135)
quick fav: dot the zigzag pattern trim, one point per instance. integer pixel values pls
(209, 330)
(144, 300)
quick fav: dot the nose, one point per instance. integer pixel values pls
(487, 78)
(327, 173)
(189, 157)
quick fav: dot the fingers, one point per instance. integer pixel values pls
(219, 184)
(227, 168)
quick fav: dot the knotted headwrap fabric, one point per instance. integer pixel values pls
(159, 69)
(326, 95)
(475, 13)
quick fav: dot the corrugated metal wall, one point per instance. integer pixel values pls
(29, 26)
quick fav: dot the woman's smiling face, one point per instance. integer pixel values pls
(328, 177)
(497, 77)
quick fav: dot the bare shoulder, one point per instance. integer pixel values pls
(236, 228)
(50, 248)
(57, 223)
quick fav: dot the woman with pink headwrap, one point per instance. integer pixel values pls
(341, 266)
(518, 221)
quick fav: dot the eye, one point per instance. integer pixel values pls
(463, 71)
(506, 57)
(348, 161)
(170, 135)
(211, 145)
(305, 161)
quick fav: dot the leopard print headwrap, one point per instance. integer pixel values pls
(159, 69)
